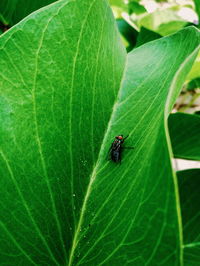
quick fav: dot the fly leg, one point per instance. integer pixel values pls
(126, 137)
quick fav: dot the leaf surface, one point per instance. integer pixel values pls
(62, 68)
(63, 101)
(184, 132)
(189, 187)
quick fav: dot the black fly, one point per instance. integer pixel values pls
(116, 148)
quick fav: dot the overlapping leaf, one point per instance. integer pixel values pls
(194, 72)
(145, 36)
(164, 22)
(189, 187)
(184, 132)
(62, 201)
(197, 8)
(12, 11)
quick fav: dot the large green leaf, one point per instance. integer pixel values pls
(63, 100)
(184, 132)
(61, 71)
(12, 11)
(189, 187)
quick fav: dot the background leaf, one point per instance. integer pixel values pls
(63, 102)
(193, 84)
(164, 22)
(194, 72)
(189, 187)
(128, 32)
(184, 132)
(197, 8)
(145, 36)
(135, 7)
(12, 11)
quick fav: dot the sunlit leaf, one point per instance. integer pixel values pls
(136, 8)
(163, 22)
(118, 4)
(195, 71)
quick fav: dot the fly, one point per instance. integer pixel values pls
(116, 148)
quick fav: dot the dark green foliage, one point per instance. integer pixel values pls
(129, 33)
(189, 188)
(146, 35)
(12, 11)
(194, 84)
(184, 132)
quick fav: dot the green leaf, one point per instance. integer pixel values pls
(118, 3)
(194, 84)
(128, 32)
(12, 11)
(133, 1)
(63, 101)
(145, 36)
(194, 72)
(62, 68)
(189, 187)
(164, 22)
(184, 132)
(136, 8)
(197, 8)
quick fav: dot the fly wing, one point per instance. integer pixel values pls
(115, 156)
(115, 145)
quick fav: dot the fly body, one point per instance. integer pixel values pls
(116, 148)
